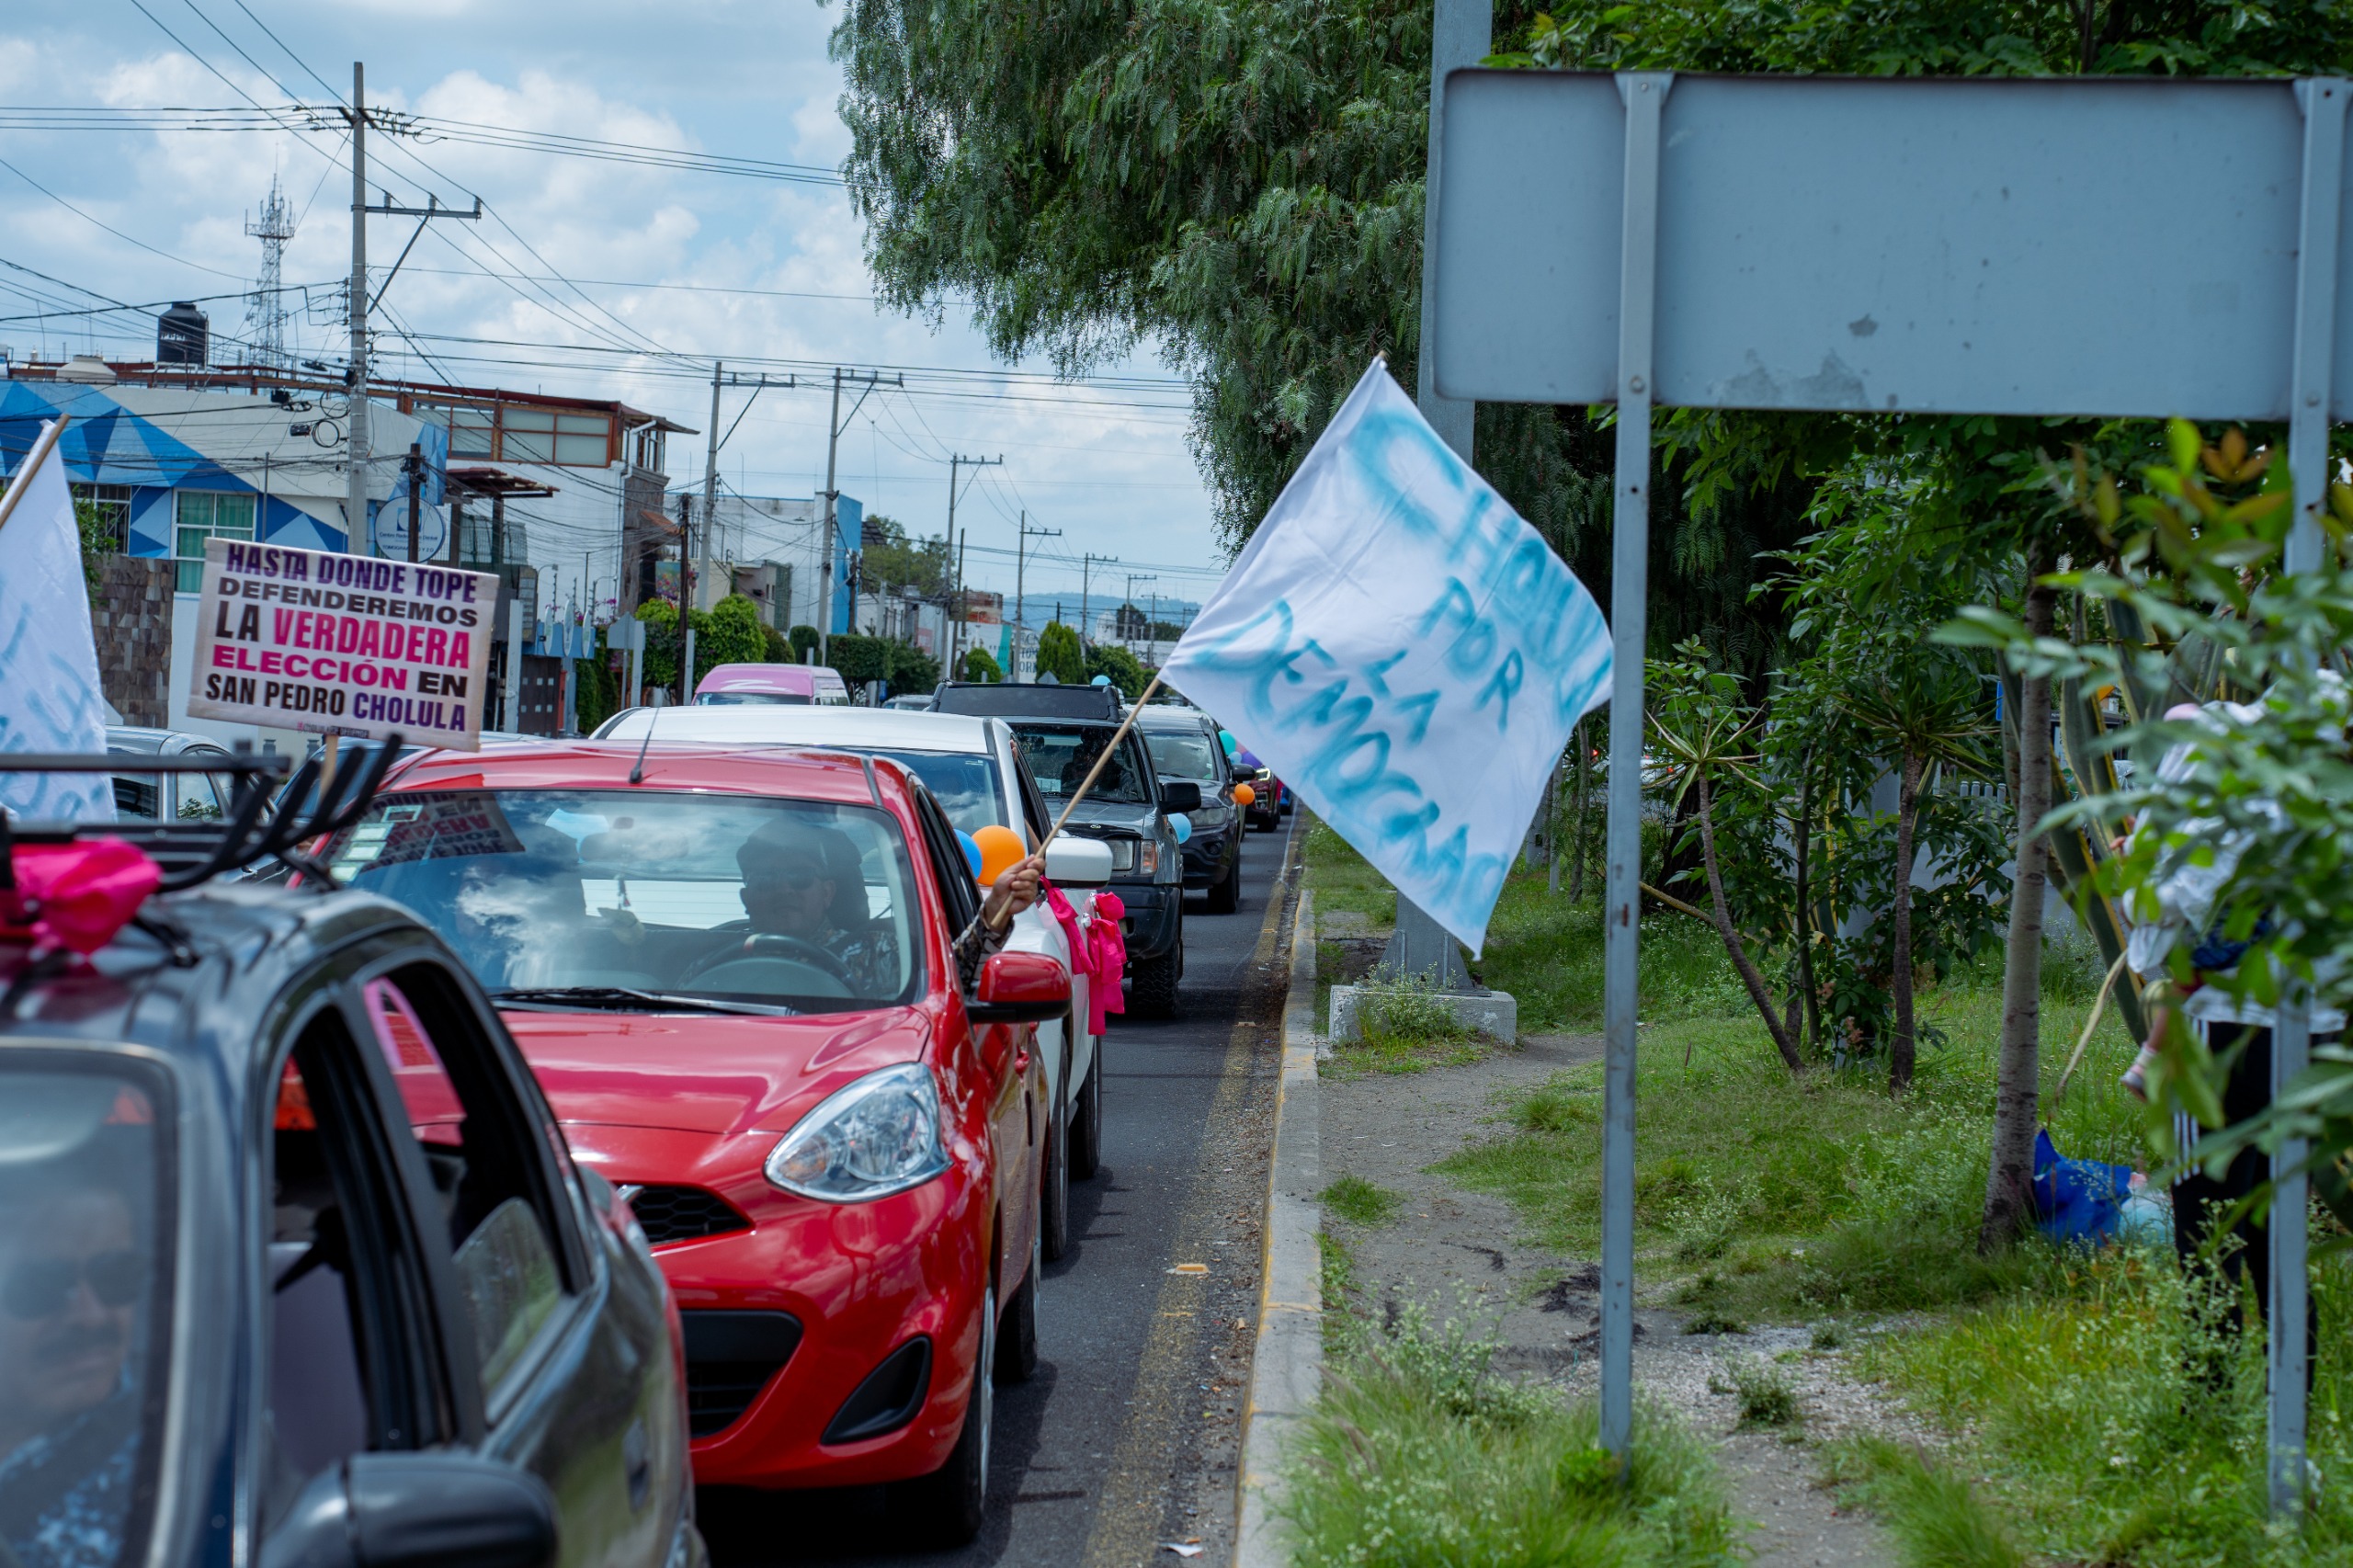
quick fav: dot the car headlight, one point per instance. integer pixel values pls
(1212, 813)
(877, 1136)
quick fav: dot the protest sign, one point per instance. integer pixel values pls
(1405, 652)
(51, 701)
(343, 644)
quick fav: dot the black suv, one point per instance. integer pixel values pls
(1062, 731)
(1184, 745)
(295, 1269)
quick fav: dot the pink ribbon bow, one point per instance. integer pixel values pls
(77, 895)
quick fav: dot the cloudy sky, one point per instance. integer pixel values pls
(594, 275)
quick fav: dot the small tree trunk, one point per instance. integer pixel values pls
(1803, 925)
(2009, 1184)
(1584, 785)
(1907, 813)
(1731, 934)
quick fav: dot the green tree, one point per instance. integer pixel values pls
(914, 673)
(892, 559)
(729, 633)
(860, 658)
(980, 664)
(662, 642)
(802, 638)
(1060, 655)
(1110, 659)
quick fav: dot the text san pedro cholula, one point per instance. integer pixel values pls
(345, 637)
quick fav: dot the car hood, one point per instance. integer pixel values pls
(699, 1073)
(1142, 821)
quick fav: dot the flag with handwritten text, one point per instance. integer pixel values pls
(1405, 652)
(50, 696)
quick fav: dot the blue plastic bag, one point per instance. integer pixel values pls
(2077, 1200)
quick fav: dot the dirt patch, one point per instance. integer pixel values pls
(1465, 1255)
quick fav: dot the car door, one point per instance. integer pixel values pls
(1017, 1112)
(571, 1358)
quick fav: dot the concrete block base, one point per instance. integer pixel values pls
(1491, 1013)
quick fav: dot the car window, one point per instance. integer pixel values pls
(478, 1147)
(1060, 755)
(1183, 753)
(753, 700)
(776, 902)
(1033, 802)
(959, 894)
(86, 1224)
(964, 783)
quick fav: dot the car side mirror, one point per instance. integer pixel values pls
(1180, 795)
(432, 1509)
(1019, 988)
(1075, 862)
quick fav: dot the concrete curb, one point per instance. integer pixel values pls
(1286, 1368)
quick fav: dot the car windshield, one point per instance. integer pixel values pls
(967, 785)
(642, 894)
(753, 699)
(1060, 755)
(1183, 754)
(86, 1232)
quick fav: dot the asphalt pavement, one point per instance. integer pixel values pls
(1127, 1440)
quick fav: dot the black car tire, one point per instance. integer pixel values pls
(1156, 982)
(1086, 1121)
(1053, 1188)
(1017, 1331)
(951, 1504)
(1226, 894)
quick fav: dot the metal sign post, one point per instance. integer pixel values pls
(1936, 247)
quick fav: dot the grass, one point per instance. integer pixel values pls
(1359, 1202)
(1344, 880)
(2074, 1432)
(1764, 1391)
(1938, 1519)
(1418, 1455)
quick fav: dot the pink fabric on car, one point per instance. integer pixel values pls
(77, 895)
(1109, 950)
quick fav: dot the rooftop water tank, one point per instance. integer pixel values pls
(183, 336)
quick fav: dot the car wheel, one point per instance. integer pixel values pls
(950, 1504)
(1017, 1332)
(1053, 1195)
(1226, 894)
(1155, 985)
(1086, 1121)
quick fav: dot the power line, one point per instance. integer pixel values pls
(109, 228)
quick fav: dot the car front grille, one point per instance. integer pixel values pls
(683, 1214)
(730, 1357)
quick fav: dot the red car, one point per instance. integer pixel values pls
(732, 974)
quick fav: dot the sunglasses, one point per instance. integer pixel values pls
(41, 1288)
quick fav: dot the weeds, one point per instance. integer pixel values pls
(1359, 1202)
(1936, 1519)
(1419, 1455)
(1765, 1395)
(1404, 1026)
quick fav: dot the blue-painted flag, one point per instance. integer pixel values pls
(1405, 652)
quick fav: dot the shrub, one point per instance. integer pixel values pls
(1764, 1392)
(1059, 654)
(980, 664)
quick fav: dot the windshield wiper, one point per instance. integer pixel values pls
(625, 999)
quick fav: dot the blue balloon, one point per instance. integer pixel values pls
(1184, 826)
(1100, 680)
(972, 851)
(1225, 738)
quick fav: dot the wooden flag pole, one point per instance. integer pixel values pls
(1086, 784)
(1108, 747)
(24, 479)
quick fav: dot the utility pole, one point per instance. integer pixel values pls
(1130, 601)
(1020, 601)
(956, 460)
(868, 380)
(358, 450)
(692, 566)
(956, 631)
(685, 599)
(1086, 586)
(415, 495)
(355, 441)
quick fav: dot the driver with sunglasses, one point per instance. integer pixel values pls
(71, 1280)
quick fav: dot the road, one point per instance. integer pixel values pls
(1129, 1435)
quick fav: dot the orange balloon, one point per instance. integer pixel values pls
(1245, 795)
(1001, 848)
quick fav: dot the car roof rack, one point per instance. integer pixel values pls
(262, 824)
(1026, 699)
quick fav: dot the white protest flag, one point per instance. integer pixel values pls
(1405, 652)
(50, 696)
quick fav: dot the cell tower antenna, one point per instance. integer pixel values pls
(266, 312)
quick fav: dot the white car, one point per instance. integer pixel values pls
(973, 768)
